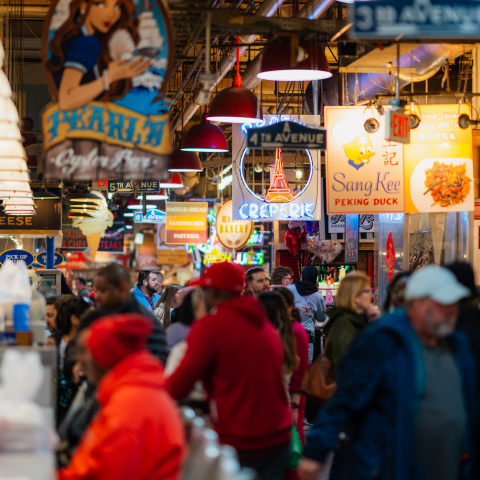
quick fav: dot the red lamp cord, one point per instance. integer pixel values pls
(237, 82)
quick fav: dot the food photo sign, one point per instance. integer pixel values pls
(106, 64)
(364, 171)
(438, 162)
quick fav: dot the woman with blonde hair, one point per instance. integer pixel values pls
(353, 310)
(166, 304)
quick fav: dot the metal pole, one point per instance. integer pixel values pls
(51, 252)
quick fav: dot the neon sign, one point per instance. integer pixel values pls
(242, 258)
(279, 202)
(256, 238)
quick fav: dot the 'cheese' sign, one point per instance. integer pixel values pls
(397, 128)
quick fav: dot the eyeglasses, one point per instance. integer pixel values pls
(288, 278)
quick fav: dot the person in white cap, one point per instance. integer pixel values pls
(405, 403)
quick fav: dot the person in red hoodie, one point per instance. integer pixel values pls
(238, 355)
(138, 433)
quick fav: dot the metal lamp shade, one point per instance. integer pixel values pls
(175, 181)
(185, 162)
(276, 64)
(203, 137)
(235, 105)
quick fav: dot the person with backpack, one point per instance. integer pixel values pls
(310, 304)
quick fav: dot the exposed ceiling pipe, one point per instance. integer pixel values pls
(426, 59)
(312, 10)
(267, 9)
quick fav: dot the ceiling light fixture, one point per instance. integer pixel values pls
(185, 161)
(203, 137)
(306, 62)
(236, 104)
(140, 206)
(175, 181)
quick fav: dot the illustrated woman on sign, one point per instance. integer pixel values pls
(92, 54)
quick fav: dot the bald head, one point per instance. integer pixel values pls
(112, 286)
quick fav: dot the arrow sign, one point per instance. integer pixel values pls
(152, 216)
(289, 135)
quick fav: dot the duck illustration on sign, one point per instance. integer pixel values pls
(356, 142)
(106, 62)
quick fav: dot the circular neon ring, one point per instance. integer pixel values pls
(259, 197)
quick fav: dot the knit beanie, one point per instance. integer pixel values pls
(115, 337)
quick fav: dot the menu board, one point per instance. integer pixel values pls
(186, 223)
(364, 171)
(438, 162)
(351, 238)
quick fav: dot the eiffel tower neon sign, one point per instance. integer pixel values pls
(279, 191)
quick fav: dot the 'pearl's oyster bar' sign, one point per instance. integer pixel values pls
(106, 65)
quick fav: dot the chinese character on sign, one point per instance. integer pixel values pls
(388, 158)
(444, 136)
(452, 136)
(436, 135)
(421, 136)
(429, 136)
(389, 143)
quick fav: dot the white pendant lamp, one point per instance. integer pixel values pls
(15, 191)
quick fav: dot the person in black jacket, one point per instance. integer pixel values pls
(113, 294)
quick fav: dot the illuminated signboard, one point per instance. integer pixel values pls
(364, 171)
(233, 234)
(186, 222)
(281, 202)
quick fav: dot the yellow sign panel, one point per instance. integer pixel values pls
(438, 162)
(364, 171)
(171, 256)
(232, 234)
(186, 222)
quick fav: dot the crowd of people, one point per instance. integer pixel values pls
(402, 382)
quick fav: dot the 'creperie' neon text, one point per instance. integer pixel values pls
(252, 211)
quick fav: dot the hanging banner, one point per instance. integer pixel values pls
(351, 238)
(364, 171)
(232, 234)
(438, 162)
(105, 72)
(186, 222)
(336, 223)
(284, 199)
(414, 19)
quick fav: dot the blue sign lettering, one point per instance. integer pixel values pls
(288, 211)
(152, 216)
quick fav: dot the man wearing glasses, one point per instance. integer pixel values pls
(282, 276)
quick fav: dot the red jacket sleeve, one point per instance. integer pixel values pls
(200, 354)
(302, 351)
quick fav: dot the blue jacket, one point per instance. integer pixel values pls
(142, 299)
(380, 386)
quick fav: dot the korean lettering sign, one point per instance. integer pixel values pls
(186, 223)
(364, 171)
(438, 162)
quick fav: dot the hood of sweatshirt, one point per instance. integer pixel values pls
(139, 369)
(248, 308)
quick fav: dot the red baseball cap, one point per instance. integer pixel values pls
(224, 276)
(114, 337)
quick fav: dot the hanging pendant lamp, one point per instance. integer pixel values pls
(175, 181)
(203, 137)
(277, 63)
(185, 161)
(236, 104)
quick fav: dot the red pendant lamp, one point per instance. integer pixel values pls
(175, 181)
(185, 161)
(236, 104)
(277, 63)
(204, 137)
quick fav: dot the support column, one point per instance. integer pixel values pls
(50, 252)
